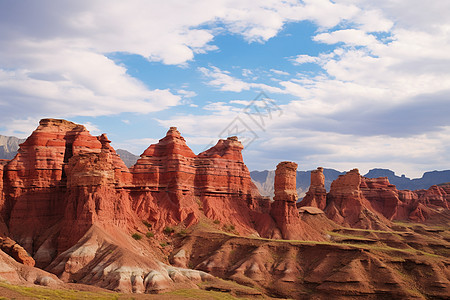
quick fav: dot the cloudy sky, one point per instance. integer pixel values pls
(339, 84)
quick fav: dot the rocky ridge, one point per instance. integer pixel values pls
(66, 190)
(372, 203)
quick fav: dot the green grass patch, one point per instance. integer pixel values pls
(47, 293)
(201, 294)
(348, 236)
(381, 248)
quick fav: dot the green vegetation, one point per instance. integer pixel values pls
(163, 244)
(201, 294)
(136, 236)
(228, 227)
(169, 230)
(216, 222)
(348, 236)
(149, 234)
(146, 223)
(380, 248)
(47, 293)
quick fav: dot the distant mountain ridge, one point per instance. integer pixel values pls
(404, 183)
(128, 158)
(9, 146)
(264, 179)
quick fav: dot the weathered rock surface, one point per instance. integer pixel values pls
(284, 210)
(70, 201)
(317, 194)
(322, 270)
(14, 272)
(361, 202)
(16, 251)
(347, 205)
(64, 182)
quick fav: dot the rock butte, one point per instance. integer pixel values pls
(69, 201)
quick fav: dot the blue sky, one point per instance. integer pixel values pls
(346, 83)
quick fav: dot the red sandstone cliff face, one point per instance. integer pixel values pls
(347, 205)
(224, 186)
(317, 194)
(173, 185)
(45, 208)
(164, 183)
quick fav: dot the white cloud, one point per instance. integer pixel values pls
(279, 72)
(352, 37)
(53, 58)
(225, 82)
(304, 59)
(187, 94)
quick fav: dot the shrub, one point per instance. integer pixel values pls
(149, 234)
(169, 229)
(136, 236)
(182, 232)
(163, 244)
(216, 222)
(147, 223)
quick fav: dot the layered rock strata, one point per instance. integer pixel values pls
(357, 201)
(64, 180)
(346, 204)
(284, 210)
(317, 194)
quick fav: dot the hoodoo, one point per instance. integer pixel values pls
(317, 194)
(284, 210)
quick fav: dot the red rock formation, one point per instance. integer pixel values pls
(362, 202)
(382, 195)
(3, 229)
(317, 194)
(164, 180)
(224, 185)
(37, 186)
(284, 210)
(435, 196)
(347, 205)
(16, 251)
